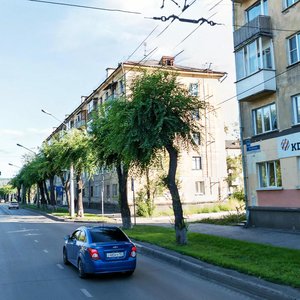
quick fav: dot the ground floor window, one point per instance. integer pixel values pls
(115, 190)
(200, 189)
(269, 174)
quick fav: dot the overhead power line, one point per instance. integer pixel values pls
(254, 86)
(194, 21)
(88, 7)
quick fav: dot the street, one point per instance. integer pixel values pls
(32, 268)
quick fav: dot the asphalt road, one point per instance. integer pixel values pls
(32, 268)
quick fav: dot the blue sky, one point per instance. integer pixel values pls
(52, 55)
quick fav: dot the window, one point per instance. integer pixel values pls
(265, 119)
(100, 235)
(92, 191)
(253, 57)
(199, 185)
(122, 87)
(194, 89)
(196, 138)
(196, 115)
(294, 49)
(196, 163)
(296, 108)
(115, 190)
(108, 191)
(269, 174)
(259, 8)
(82, 237)
(290, 2)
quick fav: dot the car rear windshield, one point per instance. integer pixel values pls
(108, 235)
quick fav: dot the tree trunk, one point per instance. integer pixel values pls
(80, 211)
(46, 192)
(66, 185)
(19, 194)
(52, 192)
(125, 211)
(180, 226)
(42, 192)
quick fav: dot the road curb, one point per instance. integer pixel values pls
(230, 278)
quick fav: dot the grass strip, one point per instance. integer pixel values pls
(275, 264)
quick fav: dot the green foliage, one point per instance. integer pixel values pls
(7, 189)
(239, 195)
(160, 114)
(145, 206)
(234, 168)
(282, 266)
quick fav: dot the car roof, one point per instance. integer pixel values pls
(98, 227)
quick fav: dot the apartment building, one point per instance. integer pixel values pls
(201, 172)
(267, 55)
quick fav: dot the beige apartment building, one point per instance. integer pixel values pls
(201, 172)
(267, 54)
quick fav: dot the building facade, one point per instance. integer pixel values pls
(201, 172)
(267, 56)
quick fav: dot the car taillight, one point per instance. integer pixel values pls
(93, 253)
(133, 252)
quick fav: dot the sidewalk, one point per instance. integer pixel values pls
(275, 237)
(254, 287)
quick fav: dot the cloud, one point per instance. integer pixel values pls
(25, 132)
(11, 132)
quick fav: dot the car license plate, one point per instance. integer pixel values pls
(115, 254)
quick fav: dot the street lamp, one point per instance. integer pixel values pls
(72, 196)
(19, 145)
(14, 165)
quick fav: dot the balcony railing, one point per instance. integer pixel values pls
(261, 25)
(260, 83)
(80, 123)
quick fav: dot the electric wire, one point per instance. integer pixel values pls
(254, 86)
(87, 7)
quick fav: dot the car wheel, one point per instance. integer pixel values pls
(65, 256)
(81, 272)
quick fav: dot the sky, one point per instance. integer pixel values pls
(51, 55)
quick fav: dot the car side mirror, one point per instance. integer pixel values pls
(67, 237)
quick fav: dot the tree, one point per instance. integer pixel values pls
(106, 131)
(75, 150)
(160, 116)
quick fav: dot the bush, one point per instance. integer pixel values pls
(145, 207)
(239, 195)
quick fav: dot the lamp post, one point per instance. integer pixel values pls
(37, 185)
(19, 145)
(12, 165)
(72, 196)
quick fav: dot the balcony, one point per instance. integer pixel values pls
(80, 123)
(258, 84)
(261, 25)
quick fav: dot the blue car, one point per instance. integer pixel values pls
(99, 249)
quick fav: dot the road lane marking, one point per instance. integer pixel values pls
(86, 293)
(60, 266)
(46, 251)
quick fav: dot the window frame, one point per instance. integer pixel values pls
(272, 121)
(296, 109)
(194, 89)
(270, 169)
(286, 5)
(289, 51)
(199, 187)
(196, 163)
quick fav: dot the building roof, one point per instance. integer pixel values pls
(232, 144)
